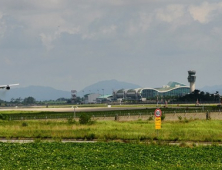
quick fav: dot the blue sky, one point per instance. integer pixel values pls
(70, 44)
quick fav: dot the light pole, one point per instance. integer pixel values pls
(103, 94)
(74, 112)
(89, 97)
(157, 101)
(83, 95)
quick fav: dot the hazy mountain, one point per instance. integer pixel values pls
(40, 93)
(212, 89)
(108, 86)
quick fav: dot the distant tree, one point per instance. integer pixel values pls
(69, 101)
(18, 100)
(201, 96)
(78, 100)
(29, 100)
(12, 100)
(61, 99)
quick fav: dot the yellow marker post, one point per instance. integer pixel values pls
(158, 123)
(158, 114)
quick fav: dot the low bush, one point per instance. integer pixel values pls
(2, 117)
(24, 124)
(85, 119)
(180, 118)
(150, 118)
(71, 121)
(90, 136)
(186, 120)
(163, 116)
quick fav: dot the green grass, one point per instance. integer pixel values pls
(107, 156)
(19, 112)
(195, 130)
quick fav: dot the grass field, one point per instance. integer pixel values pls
(107, 156)
(185, 130)
(139, 145)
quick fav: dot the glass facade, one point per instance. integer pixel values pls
(151, 93)
(169, 90)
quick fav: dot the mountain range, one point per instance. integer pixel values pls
(107, 87)
(41, 93)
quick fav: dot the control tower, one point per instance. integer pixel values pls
(191, 79)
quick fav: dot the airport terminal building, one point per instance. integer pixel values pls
(170, 90)
(143, 94)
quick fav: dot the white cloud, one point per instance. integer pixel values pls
(52, 18)
(140, 23)
(97, 33)
(47, 41)
(170, 13)
(145, 20)
(103, 32)
(204, 12)
(109, 30)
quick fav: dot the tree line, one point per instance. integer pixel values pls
(200, 96)
(31, 100)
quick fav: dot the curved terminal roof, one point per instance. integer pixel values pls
(120, 91)
(166, 88)
(172, 88)
(134, 90)
(104, 97)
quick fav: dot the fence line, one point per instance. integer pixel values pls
(104, 114)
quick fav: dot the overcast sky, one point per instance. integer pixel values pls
(70, 44)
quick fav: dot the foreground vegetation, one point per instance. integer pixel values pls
(181, 130)
(107, 156)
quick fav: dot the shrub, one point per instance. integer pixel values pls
(180, 118)
(85, 119)
(163, 116)
(2, 117)
(150, 118)
(24, 124)
(186, 120)
(71, 121)
(183, 144)
(90, 136)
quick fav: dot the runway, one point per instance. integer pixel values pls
(71, 109)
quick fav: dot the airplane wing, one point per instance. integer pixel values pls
(7, 87)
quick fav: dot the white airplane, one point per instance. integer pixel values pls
(7, 87)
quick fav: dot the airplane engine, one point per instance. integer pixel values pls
(7, 88)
